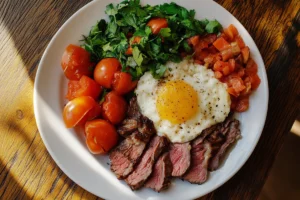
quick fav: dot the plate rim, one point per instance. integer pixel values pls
(54, 156)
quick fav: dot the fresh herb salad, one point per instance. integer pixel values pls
(144, 38)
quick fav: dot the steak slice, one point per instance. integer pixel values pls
(145, 127)
(228, 133)
(144, 169)
(160, 178)
(127, 127)
(200, 155)
(180, 156)
(126, 155)
(133, 109)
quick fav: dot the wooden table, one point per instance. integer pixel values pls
(26, 27)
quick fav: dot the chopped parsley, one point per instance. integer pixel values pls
(111, 39)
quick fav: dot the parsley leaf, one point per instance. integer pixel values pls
(137, 56)
(165, 32)
(213, 27)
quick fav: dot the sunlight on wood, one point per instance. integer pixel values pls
(296, 128)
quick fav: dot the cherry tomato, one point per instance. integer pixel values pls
(123, 83)
(76, 109)
(114, 108)
(76, 62)
(101, 136)
(105, 70)
(91, 114)
(84, 87)
(156, 24)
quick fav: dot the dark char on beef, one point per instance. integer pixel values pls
(161, 175)
(221, 139)
(144, 168)
(180, 157)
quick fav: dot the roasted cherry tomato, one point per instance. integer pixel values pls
(95, 112)
(114, 107)
(76, 109)
(105, 70)
(101, 136)
(123, 83)
(84, 87)
(76, 62)
(156, 24)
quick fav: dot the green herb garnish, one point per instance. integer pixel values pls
(110, 39)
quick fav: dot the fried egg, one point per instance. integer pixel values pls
(187, 100)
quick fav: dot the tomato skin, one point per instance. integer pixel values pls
(114, 108)
(194, 40)
(245, 54)
(105, 70)
(76, 109)
(95, 112)
(156, 24)
(76, 62)
(101, 136)
(84, 87)
(123, 83)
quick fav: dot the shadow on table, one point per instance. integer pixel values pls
(31, 29)
(8, 182)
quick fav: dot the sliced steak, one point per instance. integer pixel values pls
(160, 178)
(144, 169)
(200, 155)
(127, 127)
(126, 155)
(228, 133)
(180, 156)
(146, 127)
(133, 109)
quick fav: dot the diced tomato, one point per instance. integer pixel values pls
(237, 84)
(209, 38)
(194, 40)
(231, 65)
(233, 102)
(239, 40)
(239, 59)
(221, 44)
(218, 66)
(231, 32)
(242, 104)
(232, 91)
(247, 84)
(255, 81)
(226, 69)
(240, 70)
(245, 53)
(226, 54)
(218, 74)
(201, 54)
(201, 45)
(235, 48)
(212, 49)
(251, 67)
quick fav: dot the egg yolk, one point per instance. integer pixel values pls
(176, 101)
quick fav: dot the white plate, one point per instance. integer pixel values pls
(68, 148)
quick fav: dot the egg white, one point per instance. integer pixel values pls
(213, 100)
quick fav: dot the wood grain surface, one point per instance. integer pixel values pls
(26, 26)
